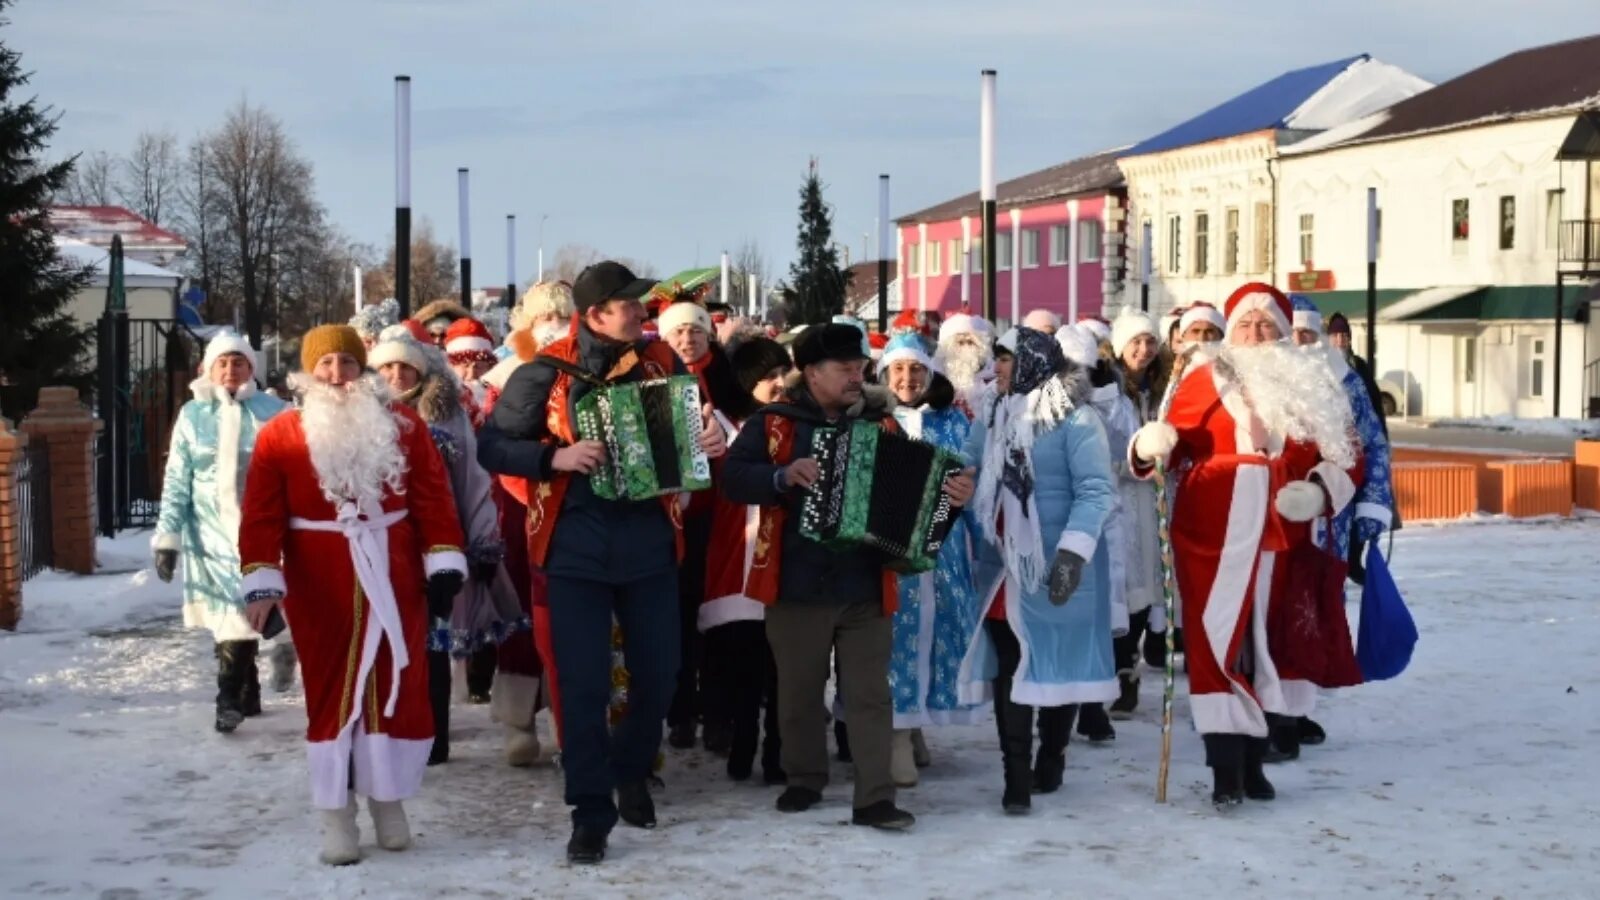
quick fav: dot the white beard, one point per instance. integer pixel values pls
(1295, 396)
(354, 440)
(548, 333)
(963, 364)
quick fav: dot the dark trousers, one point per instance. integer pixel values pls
(439, 679)
(804, 636)
(1125, 649)
(593, 758)
(741, 678)
(1014, 721)
(687, 700)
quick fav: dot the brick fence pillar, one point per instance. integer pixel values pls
(69, 429)
(11, 446)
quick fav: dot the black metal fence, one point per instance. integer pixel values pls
(33, 509)
(146, 366)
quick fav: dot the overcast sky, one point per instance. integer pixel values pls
(670, 131)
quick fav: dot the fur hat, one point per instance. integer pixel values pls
(832, 341)
(1099, 327)
(546, 298)
(857, 324)
(755, 357)
(325, 339)
(399, 348)
(224, 343)
(1128, 326)
(443, 309)
(1079, 344)
(468, 340)
(686, 312)
(1042, 320)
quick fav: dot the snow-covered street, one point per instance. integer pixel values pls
(1468, 776)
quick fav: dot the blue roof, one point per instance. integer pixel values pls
(1264, 106)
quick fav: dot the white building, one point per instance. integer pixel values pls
(1206, 189)
(1472, 203)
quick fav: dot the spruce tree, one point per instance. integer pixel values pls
(816, 289)
(40, 343)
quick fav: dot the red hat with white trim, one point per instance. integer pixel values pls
(1201, 312)
(1260, 295)
(468, 340)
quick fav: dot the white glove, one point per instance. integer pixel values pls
(1300, 501)
(1153, 443)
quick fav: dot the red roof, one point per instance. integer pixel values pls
(98, 224)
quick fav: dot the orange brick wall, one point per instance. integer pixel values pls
(1586, 475)
(1435, 490)
(1535, 487)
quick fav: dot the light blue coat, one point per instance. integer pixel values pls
(1066, 650)
(204, 482)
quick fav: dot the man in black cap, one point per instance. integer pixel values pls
(822, 601)
(602, 558)
(1339, 336)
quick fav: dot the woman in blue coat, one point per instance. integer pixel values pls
(1044, 493)
(204, 481)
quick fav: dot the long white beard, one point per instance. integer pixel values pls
(354, 440)
(1296, 396)
(962, 364)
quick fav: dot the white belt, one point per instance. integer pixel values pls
(369, 553)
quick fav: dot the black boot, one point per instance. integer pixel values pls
(681, 736)
(1256, 785)
(1283, 739)
(229, 677)
(250, 679)
(884, 816)
(1311, 734)
(1055, 730)
(1095, 725)
(587, 846)
(841, 737)
(439, 699)
(772, 746)
(1128, 700)
(720, 737)
(1014, 723)
(480, 673)
(634, 805)
(744, 738)
(1225, 756)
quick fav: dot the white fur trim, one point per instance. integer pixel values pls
(1128, 326)
(1100, 330)
(676, 315)
(501, 373)
(962, 323)
(223, 344)
(444, 561)
(1341, 490)
(1226, 714)
(266, 578)
(1079, 543)
(1201, 314)
(1241, 545)
(401, 350)
(386, 768)
(1033, 693)
(1377, 512)
(1079, 344)
(170, 540)
(732, 608)
(916, 356)
(468, 344)
(230, 421)
(1299, 697)
(1300, 501)
(1154, 442)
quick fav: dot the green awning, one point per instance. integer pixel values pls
(689, 279)
(1535, 301)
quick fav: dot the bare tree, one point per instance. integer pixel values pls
(748, 260)
(435, 270)
(199, 220)
(570, 259)
(90, 183)
(147, 179)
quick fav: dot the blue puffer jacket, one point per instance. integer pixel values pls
(1066, 650)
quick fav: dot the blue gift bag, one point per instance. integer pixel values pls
(1387, 634)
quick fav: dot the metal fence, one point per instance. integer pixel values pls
(33, 509)
(146, 366)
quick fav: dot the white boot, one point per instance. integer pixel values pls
(341, 840)
(283, 663)
(389, 820)
(522, 746)
(919, 749)
(902, 760)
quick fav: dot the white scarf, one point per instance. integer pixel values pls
(1014, 422)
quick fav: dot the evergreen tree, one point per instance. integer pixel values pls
(817, 285)
(40, 343)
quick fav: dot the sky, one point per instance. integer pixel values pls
(672, 131)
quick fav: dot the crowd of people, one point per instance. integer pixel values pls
(417, 524)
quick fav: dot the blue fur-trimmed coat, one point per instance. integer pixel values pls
(1371, 512)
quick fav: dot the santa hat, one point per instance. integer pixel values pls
(1079, 344)
(468, 340)
(1306, 314)
(1201, 312)
(1097, 326)
(876, 341)
(398, 346)
(904, 323)
(224, 343)
(962, 323)
(1128, 326)
(1259, 295)
(682, 313)
(907, 347)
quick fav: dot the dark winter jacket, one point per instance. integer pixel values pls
(810, 572)
(615, 541)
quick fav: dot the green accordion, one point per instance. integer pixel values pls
(882, 490)
(651, 430)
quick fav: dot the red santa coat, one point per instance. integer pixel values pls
(366, 712)
(733, 544)
(1228, 541)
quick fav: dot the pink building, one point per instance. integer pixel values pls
(1059, 244)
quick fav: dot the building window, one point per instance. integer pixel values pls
(955, 256)
(1459, 226)
(1469, 360)
(1508, 222)
(1058, 245)
(1030, 248)
(1230, 241)
(1002, 252)
(1307, 234)
(930, 252)
(913, 259)
(1202, 243)
(1091, 237)
(977, 255)
(1552, 218)
(1536, 370)
(1263, 238)
(1174, 242)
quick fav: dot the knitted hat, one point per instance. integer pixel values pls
(1259, 295)
(682, 313)
(1042, 320)
(1201, 312)
(754, 358)
(1079, 345)
(224, 343)
(1128, 326)
(468, 340)
(399, 348)
(1338, 324)
(833, 341)
(325, 339)
(1306, 314)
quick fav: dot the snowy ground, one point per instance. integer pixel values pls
(1470, 776)
(1569, 428)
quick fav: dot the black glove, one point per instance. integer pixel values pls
(1100, 375)
(1065, 573)
(1357, 561)
(484, 572)
(442, 590)
(166, 564)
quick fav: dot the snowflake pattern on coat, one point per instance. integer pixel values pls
(1376, 490)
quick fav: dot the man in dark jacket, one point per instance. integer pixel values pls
(822, 601)
(603, 558)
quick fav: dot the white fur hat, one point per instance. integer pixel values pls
(398, 346)
(676, 315)
(1097, 327)
(224, 343)
(1128, 326)
(1079, 344)
(1042, 320)
(962, 323)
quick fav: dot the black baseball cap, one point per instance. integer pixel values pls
(605, 281)
(829, 341)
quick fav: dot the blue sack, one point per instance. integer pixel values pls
(1387, 634)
